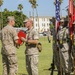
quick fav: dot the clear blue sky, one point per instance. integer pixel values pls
(45, 7)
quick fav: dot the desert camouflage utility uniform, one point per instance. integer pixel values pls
(9, 58)
(56, 51)
(32, 53)
(73, 47)
(49, 36)
(65, 58)
(73, 51)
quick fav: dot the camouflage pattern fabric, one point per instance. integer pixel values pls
(65, 56)
(8, 51)
(32, 53)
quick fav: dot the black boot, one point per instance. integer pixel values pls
(58, 73)
(52, 67)
(67, 73)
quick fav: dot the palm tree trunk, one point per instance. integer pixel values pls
(33, 16)
(38, 20)
(1, 19)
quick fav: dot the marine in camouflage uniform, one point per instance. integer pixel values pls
(31, 51)
(73, 47)
(49, 35)
(64, 52)
(9, 40)
(56, 52)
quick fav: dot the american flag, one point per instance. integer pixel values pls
(57, 14)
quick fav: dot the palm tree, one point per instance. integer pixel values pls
(33, 2)
(5, 10)
(61, 1)
(20, 7)
(1, 3)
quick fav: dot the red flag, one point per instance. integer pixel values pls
(21, 34)
(71, 7)
(74, 10)
(57, 25)
(71, 13)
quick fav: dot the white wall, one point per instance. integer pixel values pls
(42, 23)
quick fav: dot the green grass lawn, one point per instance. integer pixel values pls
(45, 58)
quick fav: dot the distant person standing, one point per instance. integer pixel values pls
(48, 35)
(9, 41)
(31, 51)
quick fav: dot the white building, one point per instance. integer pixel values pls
(42, 23)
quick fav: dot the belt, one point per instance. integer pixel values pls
(62, 41)
(74, 43)
(32, 45)
(54, 41)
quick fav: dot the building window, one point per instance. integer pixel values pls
(44, 19)
(47, 24)
(47, 19)
(44, 25)
(36, 19)
(36, 25)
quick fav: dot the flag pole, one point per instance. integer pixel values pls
(57, 10)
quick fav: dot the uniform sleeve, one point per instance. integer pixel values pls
(0, 35)
(57, 36)
(68, 34)
(15, 35)
(36, 35)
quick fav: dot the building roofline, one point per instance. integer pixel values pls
(41, 17)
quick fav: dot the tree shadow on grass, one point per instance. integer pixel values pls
(55, 70)
(22, 74)
(51, 69)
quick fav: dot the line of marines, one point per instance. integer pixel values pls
(64, 48)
